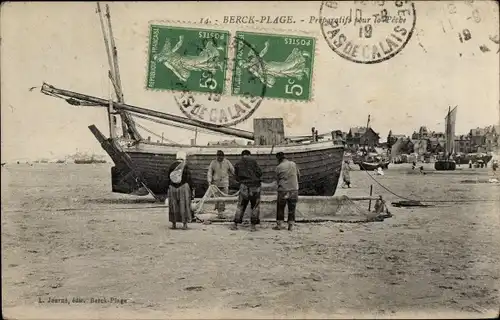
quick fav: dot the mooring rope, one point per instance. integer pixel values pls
(429, 200)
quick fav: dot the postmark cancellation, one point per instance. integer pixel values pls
(367, 31)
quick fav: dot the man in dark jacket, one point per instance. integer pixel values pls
(248, 174)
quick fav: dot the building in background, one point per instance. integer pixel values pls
(484, 139)
(361, 136)
(462, 144)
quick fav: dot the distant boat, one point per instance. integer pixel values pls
(447, 162)
(373, 165)
(90, 160)
(474, 157)
(371, 162)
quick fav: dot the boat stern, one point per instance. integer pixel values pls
(123, 179)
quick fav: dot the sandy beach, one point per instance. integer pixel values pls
(66, 236)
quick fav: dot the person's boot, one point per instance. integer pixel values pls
(253, 228)
(184, 226)
(278, 225)
(174, 226)
(290, 225)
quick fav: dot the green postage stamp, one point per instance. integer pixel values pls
(196, 60)
(186, 59)
(284, 63)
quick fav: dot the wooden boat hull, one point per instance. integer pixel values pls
(373, 166)
(319, 164)
(445, 165)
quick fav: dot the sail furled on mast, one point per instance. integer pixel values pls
(451, 118)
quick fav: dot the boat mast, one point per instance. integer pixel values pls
(111, 117)
(366, 131)
(116, 69)
(114, 76)
(447, 131)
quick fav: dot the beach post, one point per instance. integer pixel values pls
(370, 202)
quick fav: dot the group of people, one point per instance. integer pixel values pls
(248, 174)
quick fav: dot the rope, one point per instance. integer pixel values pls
(155, 134)
(86, 209)
(71, 101)
(172, 124)
(425, 200)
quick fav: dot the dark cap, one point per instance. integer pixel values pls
(246, 153)
(280, 156)
(220, 153)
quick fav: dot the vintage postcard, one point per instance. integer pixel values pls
(266, 159)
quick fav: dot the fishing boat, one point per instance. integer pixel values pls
(371, 161)
(474, 157)
(140, 164)
(84, 159)
(446, 162)
(373, 165)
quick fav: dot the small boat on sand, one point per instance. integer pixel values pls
(371, 161)
(373, 165)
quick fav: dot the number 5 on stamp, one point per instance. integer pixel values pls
(186, 59)
(284, 65)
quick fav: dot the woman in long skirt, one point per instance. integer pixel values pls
(179, 192)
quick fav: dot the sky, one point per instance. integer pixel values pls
(61, 44)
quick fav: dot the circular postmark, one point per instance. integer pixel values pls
(367, 31)
(216, 108)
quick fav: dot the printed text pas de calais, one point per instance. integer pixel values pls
(81, 300)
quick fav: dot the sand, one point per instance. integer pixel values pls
(66, 236)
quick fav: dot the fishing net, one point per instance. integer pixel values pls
(343, 209)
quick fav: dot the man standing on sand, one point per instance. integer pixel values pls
(218, 175)
(248, 174)
(287, 175)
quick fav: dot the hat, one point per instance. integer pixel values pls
(181, 155)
